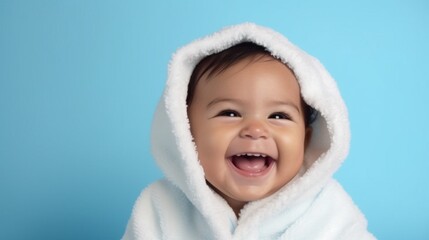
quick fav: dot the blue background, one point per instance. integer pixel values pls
(79, 81)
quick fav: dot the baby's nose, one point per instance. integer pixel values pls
(254, 130)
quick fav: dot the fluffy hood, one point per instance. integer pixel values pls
(175, 151)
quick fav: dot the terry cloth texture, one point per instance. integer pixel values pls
(311, 206)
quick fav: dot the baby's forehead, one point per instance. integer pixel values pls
(250, 64)
(240, 64)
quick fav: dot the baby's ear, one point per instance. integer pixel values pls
(308, 135)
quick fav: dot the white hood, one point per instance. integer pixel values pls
(175, 151)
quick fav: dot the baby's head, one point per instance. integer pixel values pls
(249, 122)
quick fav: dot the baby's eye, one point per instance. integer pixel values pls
(279, 115)
(229, 113)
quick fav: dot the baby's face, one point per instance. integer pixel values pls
(248, 126)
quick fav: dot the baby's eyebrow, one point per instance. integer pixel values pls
(219, 100)
(287, 103)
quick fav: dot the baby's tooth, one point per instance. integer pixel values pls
(251, 155)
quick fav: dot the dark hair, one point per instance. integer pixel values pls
(219, 62)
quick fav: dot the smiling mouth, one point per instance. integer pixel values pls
(252, 164)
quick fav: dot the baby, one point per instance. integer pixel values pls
(249, 133)
(248, 122)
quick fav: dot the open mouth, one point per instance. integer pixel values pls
(252, 164)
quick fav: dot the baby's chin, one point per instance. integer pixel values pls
(244, 195)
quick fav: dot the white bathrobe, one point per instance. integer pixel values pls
(311, 206)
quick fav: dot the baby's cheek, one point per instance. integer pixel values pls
(291, 136)
(208, 145)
